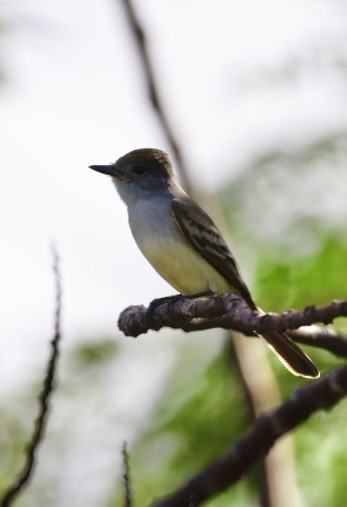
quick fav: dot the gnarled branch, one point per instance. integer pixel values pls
(230, 311)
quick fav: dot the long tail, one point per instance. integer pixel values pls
(288, 352)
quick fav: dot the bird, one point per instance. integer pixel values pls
(183, 244)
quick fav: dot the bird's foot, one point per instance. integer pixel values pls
(173, 299)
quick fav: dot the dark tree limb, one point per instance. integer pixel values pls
(25, 475)
(267, 429)
(229, 311)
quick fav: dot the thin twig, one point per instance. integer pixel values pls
(44, 399)
(128, 497)
(322, 338)
(267, 429)
(142, 46)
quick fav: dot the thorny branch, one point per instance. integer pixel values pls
(44, 399)
(267, 429)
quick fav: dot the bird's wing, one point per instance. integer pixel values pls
(201, 232)
(204, 236)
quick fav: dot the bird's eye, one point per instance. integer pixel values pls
(138, 169)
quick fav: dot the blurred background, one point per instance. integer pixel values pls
(256, 92)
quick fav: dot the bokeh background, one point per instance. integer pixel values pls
(256, 92)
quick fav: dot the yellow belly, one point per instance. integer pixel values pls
(182, 267)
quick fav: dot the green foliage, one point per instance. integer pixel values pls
(317, 278)
(297, 239)
(312, 279)
(203, 412)
(322, 458)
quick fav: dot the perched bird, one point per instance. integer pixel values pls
(182, 242)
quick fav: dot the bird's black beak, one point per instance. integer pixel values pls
(105, 169)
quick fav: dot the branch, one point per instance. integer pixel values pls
(145, 58)
(44, 398)
(230, 311)
(128, 498)
(323, 338)
(267, 429)
(227, 310)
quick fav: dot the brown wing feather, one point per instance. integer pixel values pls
(203, 234)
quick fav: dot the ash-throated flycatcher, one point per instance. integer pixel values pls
(181, 241)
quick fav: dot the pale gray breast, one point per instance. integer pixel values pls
(151, 219)
(160, 240)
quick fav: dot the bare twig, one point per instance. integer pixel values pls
(323, 338)
(267, 429)
(44, 398)
(128, 498)
(142, 46)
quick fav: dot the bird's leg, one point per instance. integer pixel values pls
(173, 299)
(204, 293)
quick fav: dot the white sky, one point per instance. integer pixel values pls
(74, 96)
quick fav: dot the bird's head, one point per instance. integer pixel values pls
(143, 170)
